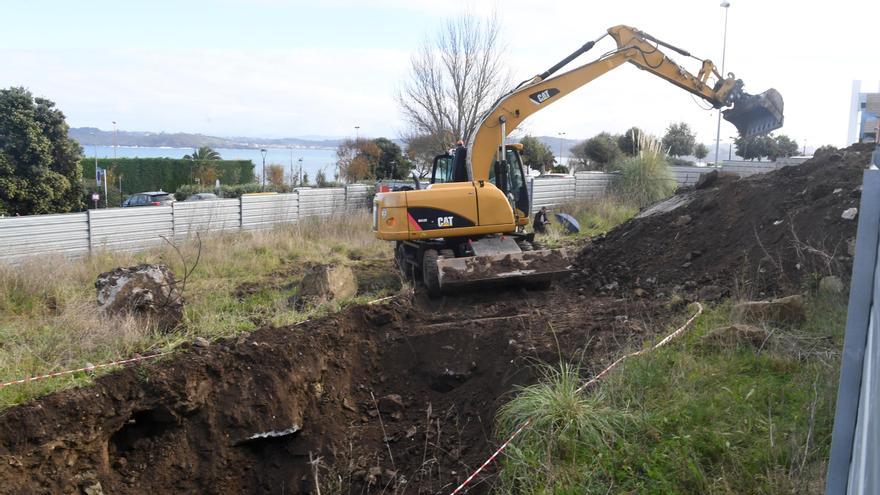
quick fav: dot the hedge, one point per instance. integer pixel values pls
(168, 174)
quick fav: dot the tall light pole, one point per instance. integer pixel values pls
(263, 152)
(300, 171)
(561, 134)
(114, 142)
(357, 132)
(726, 6)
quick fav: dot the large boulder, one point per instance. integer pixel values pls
(325, 284)
(789, 310)
(147, 290)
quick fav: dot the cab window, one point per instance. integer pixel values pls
(443, 169)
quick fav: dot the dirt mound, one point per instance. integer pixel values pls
(753, 237)
(396, 397)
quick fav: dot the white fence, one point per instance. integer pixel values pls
(133, 229)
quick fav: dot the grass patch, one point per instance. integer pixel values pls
(688, 418)
(49, 321)
(595, 217)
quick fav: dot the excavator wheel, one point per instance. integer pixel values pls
(430, 272)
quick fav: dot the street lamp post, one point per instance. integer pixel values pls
(730, 150)
(726, 5)
(263, 152)
(561, 134)
(357, 132)
(300, 171)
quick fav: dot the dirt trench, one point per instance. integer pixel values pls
(396, 398)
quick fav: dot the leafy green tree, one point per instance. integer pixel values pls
(40, 168)
(203, 153)
(628, 142)
(701, 151)
(305, 182)
(783, 146)
(598, 152)
(536, 154)
(679, 139)
(755, 147)
(392, 163)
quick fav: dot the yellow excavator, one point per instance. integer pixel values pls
(468, 226)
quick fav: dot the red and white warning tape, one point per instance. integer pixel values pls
(87, 368)
(591, 382)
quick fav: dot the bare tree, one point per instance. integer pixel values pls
(454, 79)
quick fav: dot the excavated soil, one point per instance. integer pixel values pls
(399, 397)
(396, 397)
(754, 237)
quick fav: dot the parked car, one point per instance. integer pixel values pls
(202, 197)
(155, 198)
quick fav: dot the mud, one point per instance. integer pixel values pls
(246, 415)
(755, 237)
(554, 261)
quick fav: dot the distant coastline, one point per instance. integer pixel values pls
(89, 136)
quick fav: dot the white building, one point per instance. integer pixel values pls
(864, 115)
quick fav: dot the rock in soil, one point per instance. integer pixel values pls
(145, 290)
(789, 310)
(735, 335)
(325, 284)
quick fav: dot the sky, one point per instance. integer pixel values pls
(273, 68)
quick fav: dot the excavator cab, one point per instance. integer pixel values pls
(508, 176)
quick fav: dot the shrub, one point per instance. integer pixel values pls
(229, 191)
(168, 174)
(645, 178)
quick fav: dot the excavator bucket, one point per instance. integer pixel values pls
(756, 114)
(535, 268)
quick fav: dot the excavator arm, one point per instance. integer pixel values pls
(750, 114)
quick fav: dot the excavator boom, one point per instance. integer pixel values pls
(750, 114)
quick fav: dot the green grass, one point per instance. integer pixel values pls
(49, 321)
(594, 216)
(688, 418)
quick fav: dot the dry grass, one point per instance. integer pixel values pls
(49, 321)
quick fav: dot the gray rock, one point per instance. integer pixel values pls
(682, 221)
(711, 293)
(849, 213)
(831, 285)
(146, 290)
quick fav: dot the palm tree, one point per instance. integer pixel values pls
(203, 153)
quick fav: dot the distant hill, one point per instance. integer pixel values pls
(90, 135)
